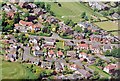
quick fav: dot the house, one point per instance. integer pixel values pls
(49, 43)
(107, 47)
(60, 53)
(14, 1)
(83, 46)
(11, 57)
(22, 3)
(51, 53)
(32, 5)
(36, 27)
(73, 67)
(78, 35)
(58, 67)
(98, 5)
(69, 31)
(46, 65)
(69, 43)
(83, 55)
(110, 68)
(33, 40)
(38, 53)
(84, 73)
(91, 59)
(6, 8)
(95, 48)
(71, 54)
(51, 19)
(10, 14)
(95, 38)
(24, 23)
(116, 16)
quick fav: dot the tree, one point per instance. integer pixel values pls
(86, 18)
(48, 6)
(52, 13)
(16, 17)
(26, 15)
(78, 29)
(96, 75)
(107, 53)
(83, 15)
(104, 13)
(40, 4)
(116, 52)
(100, 63)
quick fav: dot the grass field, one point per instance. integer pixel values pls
(101, 72)
(15, 71)
(71, 10)
(108, 25)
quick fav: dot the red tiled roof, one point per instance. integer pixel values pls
(25, 23)
(51, 52)
(10, 14)
(16, 25)
(110, 67)
(83, 45)
(60, 53)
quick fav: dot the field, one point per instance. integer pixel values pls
(16, 71)
(101, 72)
(71, 10)
(108, 25)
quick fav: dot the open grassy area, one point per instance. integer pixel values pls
(108, 25)
(101, 72)
(71, 10)
(16, 71)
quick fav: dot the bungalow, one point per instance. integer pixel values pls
(51, 53)
(110, 68)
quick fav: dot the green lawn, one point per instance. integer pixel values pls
(16, 71)
(71, 10)
(59, 45)
(101, 72)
